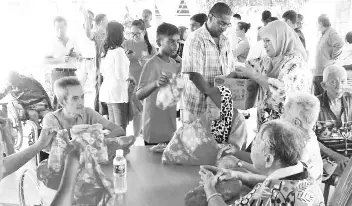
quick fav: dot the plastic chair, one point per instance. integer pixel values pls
(31, 175)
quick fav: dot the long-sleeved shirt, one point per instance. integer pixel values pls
(329, 49)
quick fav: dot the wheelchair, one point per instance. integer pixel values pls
(25, 128)
(27, 180)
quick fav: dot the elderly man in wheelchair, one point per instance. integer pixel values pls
(29, 102)
(30, 98)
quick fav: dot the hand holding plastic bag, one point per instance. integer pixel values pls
(191, 144)
(171, 93)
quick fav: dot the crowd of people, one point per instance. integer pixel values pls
(108, 79)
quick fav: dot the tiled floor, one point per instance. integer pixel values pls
(9, 185)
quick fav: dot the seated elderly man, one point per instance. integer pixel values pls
(335, 115)
(71, 97)
(276, 151)
(302, 110)
(30, 94)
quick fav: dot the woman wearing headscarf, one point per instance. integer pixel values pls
(284, 70)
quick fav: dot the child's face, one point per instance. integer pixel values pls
(169, 44)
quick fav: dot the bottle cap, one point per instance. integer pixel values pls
(119, 153)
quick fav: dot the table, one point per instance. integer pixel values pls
(151, 183)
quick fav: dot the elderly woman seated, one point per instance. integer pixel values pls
(335, 114)
(302, 110)
(276, 151)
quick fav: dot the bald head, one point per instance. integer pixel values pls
(13, 77)
(333, 71)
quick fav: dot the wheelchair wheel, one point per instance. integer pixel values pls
(32, 136)
(29, 192)
(17, 125)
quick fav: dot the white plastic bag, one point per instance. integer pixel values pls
(169, 95)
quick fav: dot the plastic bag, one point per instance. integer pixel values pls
(92, 138)
(191, 144)
(169, 95)
(229, 189)
(58, 150)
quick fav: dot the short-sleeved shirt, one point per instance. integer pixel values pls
(295, 190)
(89, 116)
(328, 125)
(58, 50)
(202, 55)
(158, 125)
(86, 47)
(242, 50)
(140, 50)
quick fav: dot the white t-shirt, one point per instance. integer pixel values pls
(115, 70)
(86, 47)
(152, 36)
(58, 50)
(231, 35)
(312, 158)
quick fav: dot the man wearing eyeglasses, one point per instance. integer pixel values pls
(206, 55)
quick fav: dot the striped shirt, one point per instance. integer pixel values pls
(202, 55)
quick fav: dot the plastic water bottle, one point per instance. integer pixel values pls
(120, 173)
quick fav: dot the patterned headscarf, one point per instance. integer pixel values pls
(285, 42)
(221, 128)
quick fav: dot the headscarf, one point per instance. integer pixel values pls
(221, 128)
(285, 42)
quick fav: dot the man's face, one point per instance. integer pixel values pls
(193, 25)
(169, 44)
(75, 100)
(321, 28)
(147, 18)
(335, 84)
(289, 22)
(299, 23)
(259, 153)
(219, 24)
(104, 22)
(60, 29)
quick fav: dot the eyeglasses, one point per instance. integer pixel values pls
(221, 23)
(137, 34)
